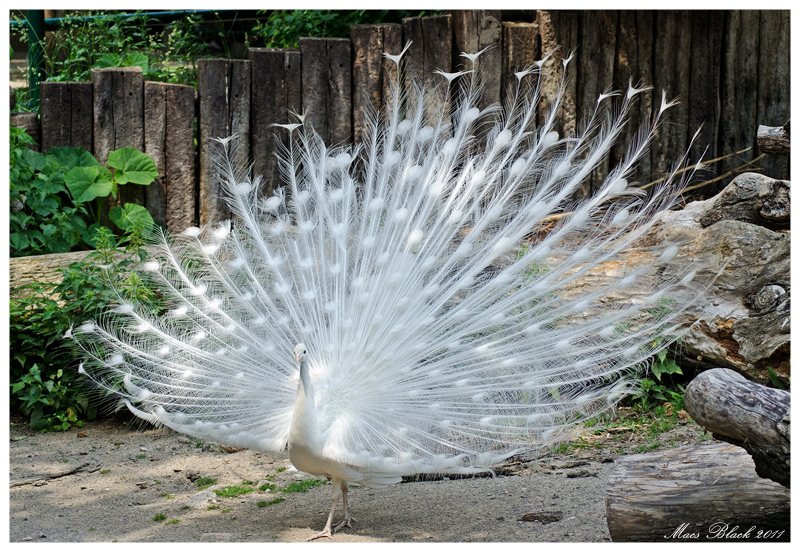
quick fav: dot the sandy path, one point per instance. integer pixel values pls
(111, 481)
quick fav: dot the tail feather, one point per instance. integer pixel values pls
(446, 328)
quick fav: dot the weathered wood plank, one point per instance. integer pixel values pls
(372, 75)
(431, 47)
(747, 414)
(275, 95)
(118, 118)
(224, 90)
(671, 76)
(474, 30)
(674, 494)
(773, 78)
(521, 49)
(738, 93)
(633, 64)
(169, 139)
(327, 87)
(66, 109)
(595, 65)
(707, 29)
(560, 37)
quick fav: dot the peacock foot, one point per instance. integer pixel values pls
(346, 522)
(325, 533)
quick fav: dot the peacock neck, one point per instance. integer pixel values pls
(304, 429)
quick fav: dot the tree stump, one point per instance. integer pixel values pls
(746, 414)
(701, 493)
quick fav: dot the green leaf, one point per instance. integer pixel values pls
(132, 166)
(109, 60)
(130, 215)
(71, 157)
(34, 159)
(88, 183)
(136, 59)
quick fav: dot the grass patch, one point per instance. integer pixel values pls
(105, 471)
(265, 503)
(281, 469)
(302, 486)
(213, 507)
(168, 496)
(173, 521)
(205, 482)
(232, 491)
(159, 517)
(267, 487)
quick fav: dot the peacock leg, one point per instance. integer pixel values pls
(347, 521)
(337, 490)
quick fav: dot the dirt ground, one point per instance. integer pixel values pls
(114, 481)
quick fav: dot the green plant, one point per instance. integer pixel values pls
(45, 385)
(160, 517)
(57, 198)
(267, 487)
(232, 491)
(283, 28)
(302, 485)
(88, 40)
(205, 482)
(653, 392)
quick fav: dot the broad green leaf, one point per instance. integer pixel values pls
(34, 159)
(130, 215)
(109, 60)
(88, 183)
(136, 59)
(68, 158)
(132, 166)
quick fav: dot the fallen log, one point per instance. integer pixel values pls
(746, 414)
(706, 492)
(773, 139)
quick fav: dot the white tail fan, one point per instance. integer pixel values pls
(440, 336)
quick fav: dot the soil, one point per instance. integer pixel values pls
(115, 481)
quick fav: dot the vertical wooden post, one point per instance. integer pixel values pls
(595, 65)
(521, 49)
(474, 30)
(327, 88)
(672, 34)
(431, 50)
(169, 139)
(118, 118)
(275, 95)
(634, 64)
(66, 110)
(773, 79)
(224, 89)
(708, 28)
(558, 31)
(372, 76)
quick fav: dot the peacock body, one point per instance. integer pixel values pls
(440, 337)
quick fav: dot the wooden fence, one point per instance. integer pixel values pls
(730, 70)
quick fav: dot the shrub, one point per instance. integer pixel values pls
(46, 387)
(57, 198)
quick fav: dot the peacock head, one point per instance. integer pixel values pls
(299, 352)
